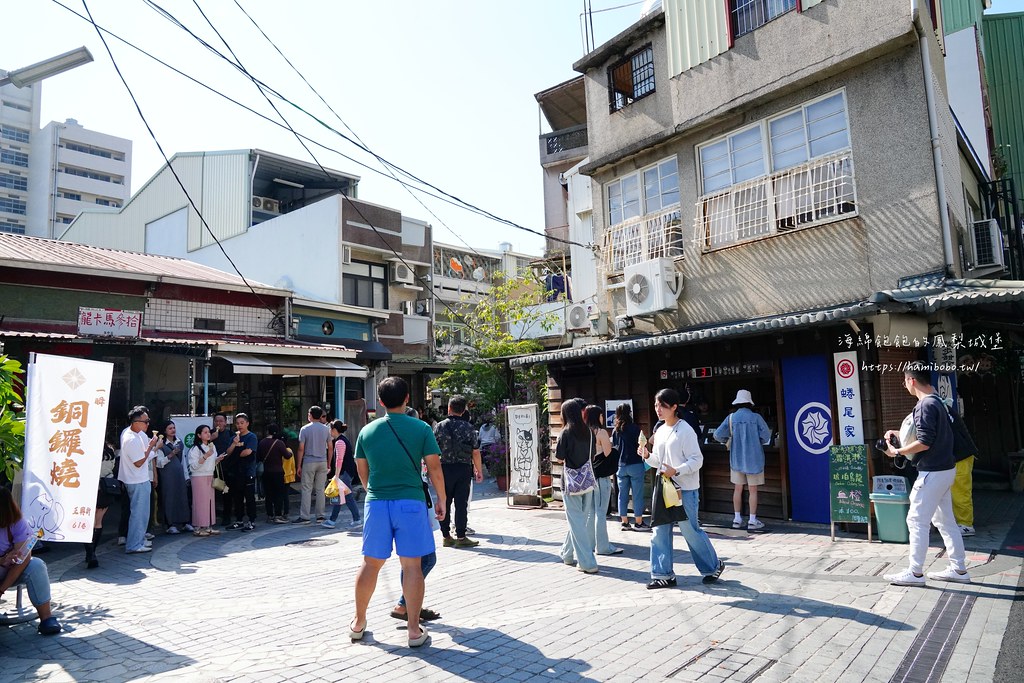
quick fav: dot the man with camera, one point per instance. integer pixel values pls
(930, 450)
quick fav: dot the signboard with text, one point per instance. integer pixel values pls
(109, 322)
(848, 484)
(524, 461)
(848, 406)
(66, 417)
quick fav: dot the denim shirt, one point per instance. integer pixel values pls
(749, 432)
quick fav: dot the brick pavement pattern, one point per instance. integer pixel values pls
(274, 604)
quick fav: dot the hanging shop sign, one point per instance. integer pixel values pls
(524, 465)
(109, 322)
(849, 418)
(805, 384)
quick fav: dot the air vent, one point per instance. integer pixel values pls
(208, 324)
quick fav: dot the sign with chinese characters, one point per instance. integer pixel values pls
(732, 370)
(524, 464)
(849, 418)
(848, 484)
(109, 322)
(66, 417)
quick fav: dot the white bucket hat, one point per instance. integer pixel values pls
(743, 396)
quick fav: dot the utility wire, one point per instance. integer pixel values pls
(168, 162)
(253, 111)
(264, 87)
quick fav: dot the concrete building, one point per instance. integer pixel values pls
(775, 185)
(72, 169)
(19, 118)
(356, 268)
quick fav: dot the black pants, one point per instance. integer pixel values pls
(242, 494)
(457, 479)
(276, 494)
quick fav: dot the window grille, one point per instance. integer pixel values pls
(631, 79)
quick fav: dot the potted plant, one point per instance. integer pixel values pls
(495, 459)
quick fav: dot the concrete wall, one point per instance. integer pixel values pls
(896, 233)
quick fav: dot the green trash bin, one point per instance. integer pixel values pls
(892, 503)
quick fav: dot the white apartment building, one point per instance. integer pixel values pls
(72, 169)
(19, 117)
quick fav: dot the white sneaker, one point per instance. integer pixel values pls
(121, 540)
(149, 536)
(966, 530)
(172, 530)
(755, 525)
(189, 528)
(950, 574)
(905, 578)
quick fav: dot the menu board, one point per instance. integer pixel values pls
(848, 484)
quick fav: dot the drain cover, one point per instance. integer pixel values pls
(929, 654)
(730, 665)
(312, 543)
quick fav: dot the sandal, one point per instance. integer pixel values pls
(425, 615)
(419, 642)
(356, 635)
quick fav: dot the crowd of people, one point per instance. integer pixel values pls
(395, 457)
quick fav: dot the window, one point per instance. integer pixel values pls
(13, 158)
(13, 134)
(748, 15)
(12, 227)
(789, 171)
(95, 151)
(65, 220)
(11, 205)
(365, 284)
(208, 324)
(102, 202)
(643, 216)
(647, 191)
(631, 79)
(17, 105)
(13, 182)
(82, 173)
(73, 195)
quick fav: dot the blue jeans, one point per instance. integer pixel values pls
(631, 479)
(579, 540)
(427, 563)
(37, 581)
(138, 518)
(350, 501)
(701, 550)
(601, 497)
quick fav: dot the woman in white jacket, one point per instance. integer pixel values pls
(677, 454)
(202, 460)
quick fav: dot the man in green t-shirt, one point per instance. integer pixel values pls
(389, 456)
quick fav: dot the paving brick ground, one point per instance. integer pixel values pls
(269, 605)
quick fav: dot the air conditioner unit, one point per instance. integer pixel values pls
(987, 241)
(402, 273)
(408, 307)
(577, 317)
(266, 204)
(652, 286)
(422, 307)
(346, 255)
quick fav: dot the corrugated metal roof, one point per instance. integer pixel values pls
(695, 32)
(923, 297)
(959, 14)
(1004, 69)
(36, 251)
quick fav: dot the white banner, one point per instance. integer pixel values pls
(522, 444)
(65, 424)
(850, 420)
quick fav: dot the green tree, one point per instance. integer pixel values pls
(12, 417)
(474, 373)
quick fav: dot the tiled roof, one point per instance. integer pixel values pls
(36, 251)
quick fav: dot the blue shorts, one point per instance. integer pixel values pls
(406, 523)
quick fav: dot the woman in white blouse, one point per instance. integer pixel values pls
(202, 460)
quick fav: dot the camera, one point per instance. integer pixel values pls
(883, 445)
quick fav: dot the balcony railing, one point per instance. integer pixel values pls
(566, 139)
(643, 238)
(820, 191)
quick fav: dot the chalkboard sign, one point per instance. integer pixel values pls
(848, 484)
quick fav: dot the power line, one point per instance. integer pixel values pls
(266, 88)
(168, 162)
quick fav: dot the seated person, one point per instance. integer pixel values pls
(14, 531)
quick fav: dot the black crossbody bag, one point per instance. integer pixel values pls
(426, 490)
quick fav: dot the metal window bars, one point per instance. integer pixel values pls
(653, 235)
(819, 191)
(748, 15)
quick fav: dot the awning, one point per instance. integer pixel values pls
(367, 350)
(254, 364)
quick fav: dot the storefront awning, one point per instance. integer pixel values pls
(367, 350)
(261, 364)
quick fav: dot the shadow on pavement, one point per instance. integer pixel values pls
(788, 605)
